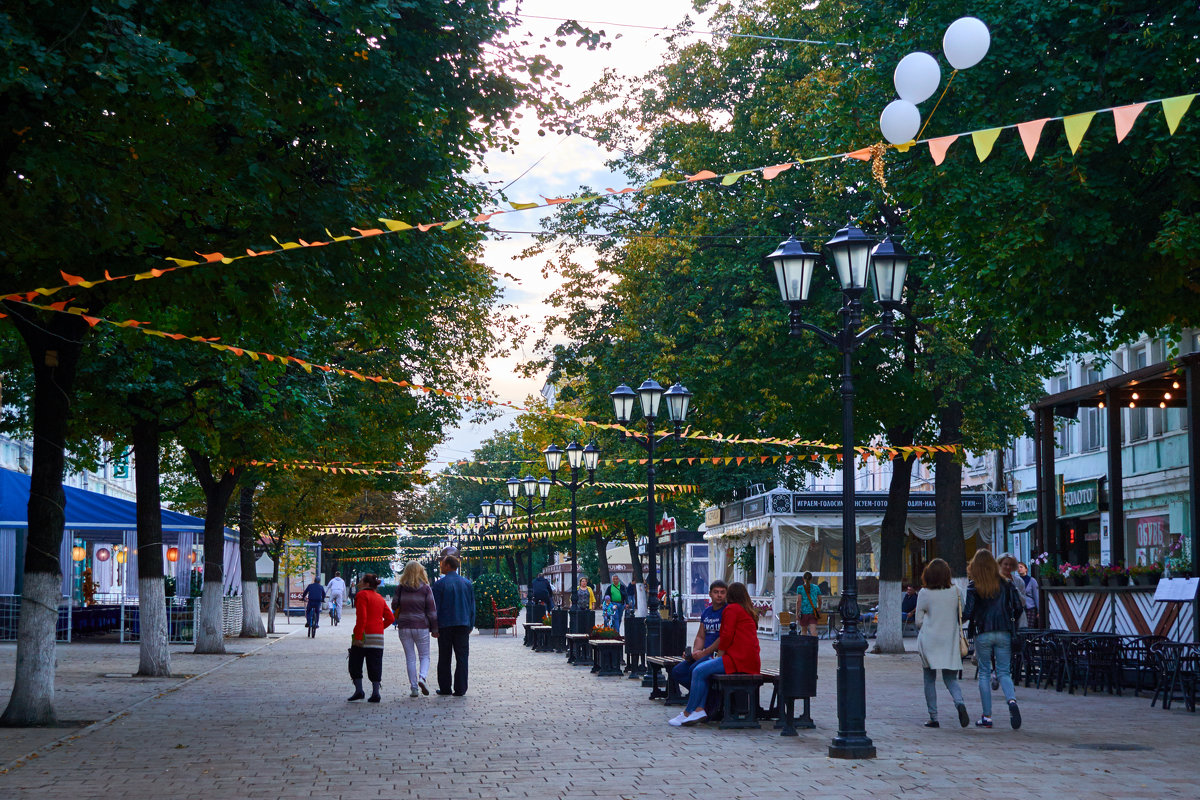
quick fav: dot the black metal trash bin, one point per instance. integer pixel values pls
(635, 645)
(797, 679)
(558, 629)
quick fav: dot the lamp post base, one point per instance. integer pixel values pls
(851, 740)
(852, 749)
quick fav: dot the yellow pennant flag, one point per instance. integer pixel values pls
(984, 140)
(1174, 108)
(1076, 126)
(395, 224)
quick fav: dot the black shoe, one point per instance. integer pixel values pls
(933, 723)
(1014, 714)
(358, 695)
(964, 719)
(459, 694)
(373, 698)
(443, 694)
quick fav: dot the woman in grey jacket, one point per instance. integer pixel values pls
(938, 613)
(416, 621)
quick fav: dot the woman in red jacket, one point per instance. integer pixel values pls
(371, 618)
(738, 648)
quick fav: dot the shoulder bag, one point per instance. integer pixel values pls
(963, 647)
(816, 607)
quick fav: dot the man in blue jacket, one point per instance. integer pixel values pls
(455, 598)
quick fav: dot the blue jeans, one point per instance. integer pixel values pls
(614, 619)
(996, 644)
(701, 674)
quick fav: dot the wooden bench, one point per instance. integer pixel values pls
(541, 639)
(578, 652)
(608, 657)
(655, 664)
(739, 699)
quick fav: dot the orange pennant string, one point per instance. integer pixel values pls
(368, 231)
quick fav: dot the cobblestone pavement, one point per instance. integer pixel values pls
(273, 722)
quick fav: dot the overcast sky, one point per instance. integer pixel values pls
(567, 165)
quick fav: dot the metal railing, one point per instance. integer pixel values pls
(10, 616)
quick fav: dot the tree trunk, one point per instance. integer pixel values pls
(525, 578)
(947, 487)
(602, 557)
(889, 635)
(634, 558)
(54, 350)
(274, 592)
(252, 624)
(512, 566)
(154, 653)
(210, 632)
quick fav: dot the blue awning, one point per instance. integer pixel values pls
(85, 511)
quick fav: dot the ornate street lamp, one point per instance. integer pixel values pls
(854, 256)
(650, 393)
(541, 489)
(577, 457)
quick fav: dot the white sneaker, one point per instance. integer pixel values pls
(698, 715)
(677, 720)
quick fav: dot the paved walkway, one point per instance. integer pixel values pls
(273, 722)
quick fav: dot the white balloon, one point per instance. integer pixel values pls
(917, 77)
(900, 122)
(966, 42)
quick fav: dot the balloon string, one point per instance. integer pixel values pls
(938, 103)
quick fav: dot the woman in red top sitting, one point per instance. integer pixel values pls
(371, 618)
(738, 648)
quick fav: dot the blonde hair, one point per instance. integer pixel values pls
(414, 576)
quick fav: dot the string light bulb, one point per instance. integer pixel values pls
(1174, 384)
(1166, 395)
(1162, 405)
(1101, 404)
(1135, 396)
(1132, 404)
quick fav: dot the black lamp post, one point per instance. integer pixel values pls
(541, 488)
(489, 522)
(678, 399)
(587, 458)
(852, 256)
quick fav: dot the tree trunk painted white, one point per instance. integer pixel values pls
(32, 700)
(154, 656)
(252, 623)
(889, 633)
(210, 630)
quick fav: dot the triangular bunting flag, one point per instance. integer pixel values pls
(938, 148)
(1031, 134)
(1174, 108)
(983, 142)
(1123, 118)
(1076, 126)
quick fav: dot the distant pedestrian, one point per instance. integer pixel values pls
(314, 597)
(1033, 595)
(808, 600)
(371, 618)
(991, 608)
(416, 621)
(543, 597)
(614, 601)
(455, 599)
(938, 616)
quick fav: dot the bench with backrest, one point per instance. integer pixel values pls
(503, 618)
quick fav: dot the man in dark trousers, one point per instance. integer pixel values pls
(543, 596)
(455, 599)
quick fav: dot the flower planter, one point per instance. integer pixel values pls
(1094, 580)
(1145, 579)
(1116, 580)
(1077, 580)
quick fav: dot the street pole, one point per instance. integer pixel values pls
(653, 621)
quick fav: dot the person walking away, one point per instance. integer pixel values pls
(1012, 581)
(738, 644)
(938, 616)
(454, 597)
(543, 597)
(416, 620)
(615, 595)
(809, 600)
(314, 594)
(371, 618)
(1033, 595)
(336, 590)
(705, 643)
(991, 610)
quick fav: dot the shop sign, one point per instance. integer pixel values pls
(712, 517)
(1080, 499)
(1151, 531)
(1026, 506)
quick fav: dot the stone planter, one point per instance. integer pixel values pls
(1147, 579)
(1116, 580)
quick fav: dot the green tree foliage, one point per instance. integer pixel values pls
(495, 588)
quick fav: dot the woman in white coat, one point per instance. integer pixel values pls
(939, 605)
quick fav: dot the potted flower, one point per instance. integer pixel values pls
(1047, 573)
(1076, 574)
(1145, 574)
(1114, 575)
(763, 608)
(547, 620)
(604, 632)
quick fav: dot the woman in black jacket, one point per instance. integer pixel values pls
(992, 608)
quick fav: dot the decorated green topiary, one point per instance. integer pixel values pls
(491, 587)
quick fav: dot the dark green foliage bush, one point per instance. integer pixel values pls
(493, 587)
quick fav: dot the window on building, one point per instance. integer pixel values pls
(1139, 424)
(1093, 418)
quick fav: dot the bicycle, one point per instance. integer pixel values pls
(312, 618)
(335, 611)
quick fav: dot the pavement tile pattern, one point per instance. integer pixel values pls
(271, 721)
